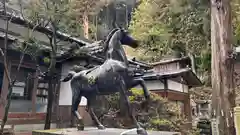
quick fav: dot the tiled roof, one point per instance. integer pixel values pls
(170, 60)
(10, 37)
(17, 18)
(93, 49)
(186, 73)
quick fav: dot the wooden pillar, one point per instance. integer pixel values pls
(187, 108)
(209, 108)
(198, 109)
(34, 91)
(165, 83)
(4, 91)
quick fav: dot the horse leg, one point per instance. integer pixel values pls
(123, 90)
(93, 115)
(76, 98)
(141, 82)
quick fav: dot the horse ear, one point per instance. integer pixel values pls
(120, 28)
(115, 25)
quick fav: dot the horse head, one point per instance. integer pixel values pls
(125, 38)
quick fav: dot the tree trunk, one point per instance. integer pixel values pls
(85, 25)
(96, 33)
(223, 95)
(7, 71)
(193, 65)
(51, 72)
(49, 105)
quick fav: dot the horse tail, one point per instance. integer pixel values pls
(68, 77)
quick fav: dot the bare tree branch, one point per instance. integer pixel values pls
(21, 9)
(4, 54)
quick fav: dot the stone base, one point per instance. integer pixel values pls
(95, 131)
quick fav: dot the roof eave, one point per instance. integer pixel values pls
(187, 74)
(170, 61)
(63, 36)
(192, 79)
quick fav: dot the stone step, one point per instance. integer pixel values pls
(8, 130)
(95, 131)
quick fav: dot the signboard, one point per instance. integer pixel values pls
(214, 125)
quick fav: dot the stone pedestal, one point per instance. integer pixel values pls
(95, 131)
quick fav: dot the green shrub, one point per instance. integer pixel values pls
(161, 115)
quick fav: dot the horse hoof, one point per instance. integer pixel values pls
(81, 128)
(101, 127)
(141, 131)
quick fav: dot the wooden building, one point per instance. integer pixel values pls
(172, 79)
(29, 97)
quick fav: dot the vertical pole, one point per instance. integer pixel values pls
(165, 84)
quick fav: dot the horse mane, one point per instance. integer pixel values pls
(106, 42)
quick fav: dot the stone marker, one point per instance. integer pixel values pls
(95, 131)
(214, 126)
(237, 119)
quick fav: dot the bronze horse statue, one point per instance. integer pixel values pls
(110, 77)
